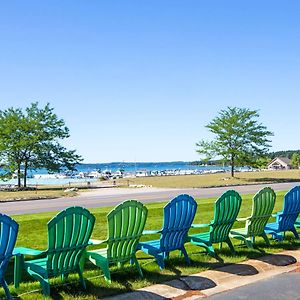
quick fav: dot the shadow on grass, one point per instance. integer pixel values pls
(76, 290)
(127, 279)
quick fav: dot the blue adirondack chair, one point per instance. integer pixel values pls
(8, 236)
(285, 220)
(179, 214)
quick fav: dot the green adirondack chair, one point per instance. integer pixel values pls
(126, 223)
(263, 205)
(68, 235)
(226, 210)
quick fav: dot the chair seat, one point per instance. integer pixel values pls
(275, 227)
(272, 227)
(153, 245)
(239, 231)
(203, 237)
(99, 253)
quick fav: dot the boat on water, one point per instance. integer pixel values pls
(50, 176)
(142, 173)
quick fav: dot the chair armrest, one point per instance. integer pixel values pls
(96, 242)
(151, 232)
(27, 251)
(242, 219)
(274, 215)
(200, 225)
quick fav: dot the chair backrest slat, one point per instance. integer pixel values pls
(8, 236)
(68, 235)
(126, 223)
(263, 205)
(226, 210)
(179, 214)
(291, 209)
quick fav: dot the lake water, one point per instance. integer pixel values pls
(128, 167)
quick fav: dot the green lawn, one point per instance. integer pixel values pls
(220, 179)
(33, 234)
(37, 194)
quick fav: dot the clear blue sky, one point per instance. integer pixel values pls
(139, 80)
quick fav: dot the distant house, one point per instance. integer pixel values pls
(280, 163)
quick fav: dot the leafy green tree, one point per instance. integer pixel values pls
(295, 161)
(30, 140)
(239, 138)
(262, 162)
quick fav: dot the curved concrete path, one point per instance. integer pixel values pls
(251, 279)
(112, 196)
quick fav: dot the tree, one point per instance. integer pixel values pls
(30, 140)
(295, 161)
(262, 162)
(239, 138)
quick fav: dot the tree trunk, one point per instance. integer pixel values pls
(19, 176)
(25, 174)
(232, 165)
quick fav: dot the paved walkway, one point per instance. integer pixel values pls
(253, 275)
(283, 286)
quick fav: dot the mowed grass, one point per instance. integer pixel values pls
(210, 180)
(34, 194)
(33, 233)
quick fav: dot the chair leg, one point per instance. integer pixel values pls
(45, 286)
(105, 269)
(266, 239)
(103, 265)
(277, 236)
(230, 245)
(64, 277)
(5, 286)
(187, 259)
(137, 265)
(82, 281)
(211, 251)
(82, 260)
(248, 243)
(294, 231)
(43, 281)
(160, 261)
(18, 269)
(166, 255)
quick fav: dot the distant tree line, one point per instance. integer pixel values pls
(261, 162)
(284, 153)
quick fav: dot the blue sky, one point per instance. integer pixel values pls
(139, 80)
